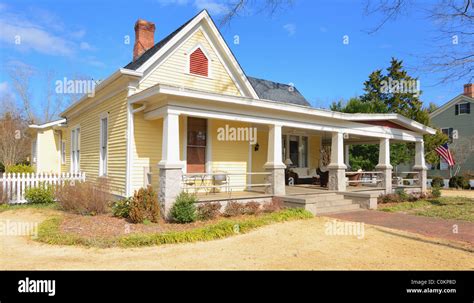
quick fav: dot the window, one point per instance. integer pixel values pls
(103, 146)
(462, 108)
(75, 149)
(198, 63)
(196, 147)
(449, 133)
(63, 152)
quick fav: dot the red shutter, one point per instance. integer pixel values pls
(198, 63)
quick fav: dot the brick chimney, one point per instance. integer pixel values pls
(469, 90)
(144, 37)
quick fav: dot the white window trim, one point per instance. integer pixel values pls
(63, 152)
(459, 108)
(76, 169)
(103, 172)
(300, 153)
(187, 67)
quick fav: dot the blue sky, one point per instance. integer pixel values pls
(301, 45)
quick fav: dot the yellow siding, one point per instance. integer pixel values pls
(173, 70)
(314, 151)
(229, 156)
(47, 152)
(146, 151)
(259, 158)
(89, 123)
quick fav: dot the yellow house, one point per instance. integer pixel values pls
(183, 115)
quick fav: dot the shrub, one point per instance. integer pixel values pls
(389, 198)
(459, 182)
(20, 168)
(41, 194)
(84, 198)
(251, 208)
(144, 206)
(208, 211)
(437, 181)
(436, 192)
(2, 168)
(402, 194)
(276, 204)
(184, 208)
(121, 208)
(233, 209)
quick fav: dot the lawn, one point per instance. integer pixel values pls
(459, 208)
(5, 207)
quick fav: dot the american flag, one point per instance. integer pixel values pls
(443, 151)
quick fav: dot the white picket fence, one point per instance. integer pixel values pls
(14, 185)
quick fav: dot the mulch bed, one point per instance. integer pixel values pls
(106, 225)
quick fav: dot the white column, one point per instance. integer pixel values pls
(346, 155)
(170, 146)
(337, 168)
(420, 165)
(384, 164)
(170, 166)
(275, 165)
(274, 148)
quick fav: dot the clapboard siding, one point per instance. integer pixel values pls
(175, 70)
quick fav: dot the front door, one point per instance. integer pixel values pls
(196, 147)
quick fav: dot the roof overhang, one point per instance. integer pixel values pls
(122, 72)
(53, 124)
(166, 90)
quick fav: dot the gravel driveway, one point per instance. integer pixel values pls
(291, 245)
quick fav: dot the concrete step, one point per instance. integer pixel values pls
(336, 209)
(336, 202)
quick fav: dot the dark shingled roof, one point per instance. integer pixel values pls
(134, 65)
(274, 91)
(265, 89)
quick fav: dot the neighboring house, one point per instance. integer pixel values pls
(160, 120)
(455, 119)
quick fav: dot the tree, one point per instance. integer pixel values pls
(453, 59)
(238, 6)
(15, 144)
(393, 92)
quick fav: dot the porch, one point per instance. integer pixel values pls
(190, 138)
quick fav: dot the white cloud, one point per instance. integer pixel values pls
(25, 37)
(4, 88)
(290, 28)
(39, 31)
(85, 46)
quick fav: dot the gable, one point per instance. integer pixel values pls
(175, 69)
(449, 107)
(167, 57)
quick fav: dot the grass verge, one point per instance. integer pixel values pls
(458, 208)
(49, 231)
(6, 207)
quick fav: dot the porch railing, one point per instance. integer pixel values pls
(364, 178)
(209, 183)
(13, 186)
(407, 178)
